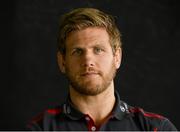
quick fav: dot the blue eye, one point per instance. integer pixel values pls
(77, 51)
(98, 50)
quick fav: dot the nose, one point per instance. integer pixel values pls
(88, 59)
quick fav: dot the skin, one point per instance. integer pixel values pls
(90, 66)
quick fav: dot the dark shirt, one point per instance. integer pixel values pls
(123, 117)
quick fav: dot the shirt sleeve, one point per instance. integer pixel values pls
(33, 127)
(167, 125)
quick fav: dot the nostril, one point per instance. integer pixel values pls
(87, 64)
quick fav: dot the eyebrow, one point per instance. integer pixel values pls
(82, 47)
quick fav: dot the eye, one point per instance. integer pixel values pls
(98, 50)
(77, 51)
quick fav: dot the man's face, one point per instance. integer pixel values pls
(89, 63)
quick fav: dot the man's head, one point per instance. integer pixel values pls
(89, 50)
(82, 18)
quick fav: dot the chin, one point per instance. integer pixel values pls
(90, 90)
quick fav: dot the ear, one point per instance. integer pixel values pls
(61, 62)
(118, 57)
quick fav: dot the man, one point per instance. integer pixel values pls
(89, 54)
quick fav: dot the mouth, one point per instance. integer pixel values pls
(89, 74)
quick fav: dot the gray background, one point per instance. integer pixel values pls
(31, 82)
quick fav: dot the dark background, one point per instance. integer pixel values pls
(31, 82)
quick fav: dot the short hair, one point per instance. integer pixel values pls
(81, 18)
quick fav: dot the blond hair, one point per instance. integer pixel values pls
(82, 18)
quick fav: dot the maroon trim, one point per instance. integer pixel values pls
(90, 123)
(54, 111)
(155, 129)
(40, 116)
(147, 114)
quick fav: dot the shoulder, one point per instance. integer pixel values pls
(148, 120)
(43, 120)
(137, 111)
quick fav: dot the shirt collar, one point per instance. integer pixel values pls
(120, 108)
(70, 110)
(119, 111)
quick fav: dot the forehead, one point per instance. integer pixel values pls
(88, 36)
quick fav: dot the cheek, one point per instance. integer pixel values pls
(106, 63)
(72, 67)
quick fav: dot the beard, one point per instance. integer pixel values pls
(91, 86)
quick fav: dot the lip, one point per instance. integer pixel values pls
(89, 74)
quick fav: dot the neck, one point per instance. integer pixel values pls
(98, 107)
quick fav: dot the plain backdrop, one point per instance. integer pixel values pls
(31, 82)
